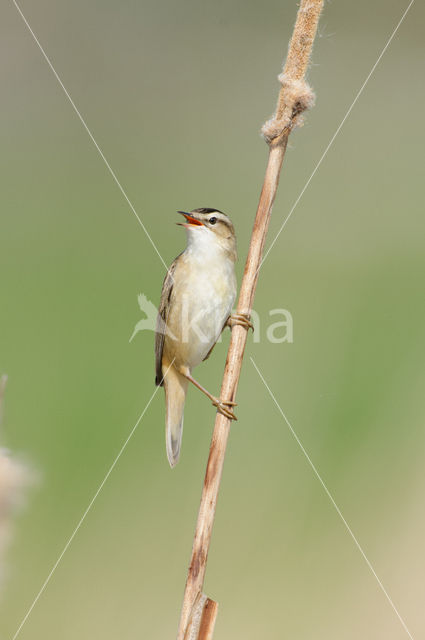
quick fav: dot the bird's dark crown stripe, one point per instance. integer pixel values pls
(207, 210)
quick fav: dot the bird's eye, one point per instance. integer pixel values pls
(212, 220)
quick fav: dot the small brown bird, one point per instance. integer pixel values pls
(196, 302)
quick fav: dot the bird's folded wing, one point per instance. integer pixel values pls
(161, 323)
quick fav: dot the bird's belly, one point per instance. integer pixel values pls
(200, 308)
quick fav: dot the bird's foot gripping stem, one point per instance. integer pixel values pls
(240, 318)
(223, 407)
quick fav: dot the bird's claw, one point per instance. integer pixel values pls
(240, 318)
(222, 407)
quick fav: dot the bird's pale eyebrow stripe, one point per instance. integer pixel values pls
(214, 213)
(222, 217)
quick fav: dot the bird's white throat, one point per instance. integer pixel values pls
(204, 245)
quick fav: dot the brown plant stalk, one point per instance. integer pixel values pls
(198, 612)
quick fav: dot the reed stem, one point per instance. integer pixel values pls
(295, 96)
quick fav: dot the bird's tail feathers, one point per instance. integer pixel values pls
(175, 386)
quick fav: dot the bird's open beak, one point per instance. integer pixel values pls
(190, 220)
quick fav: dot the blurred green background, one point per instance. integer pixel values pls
(175, 94)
